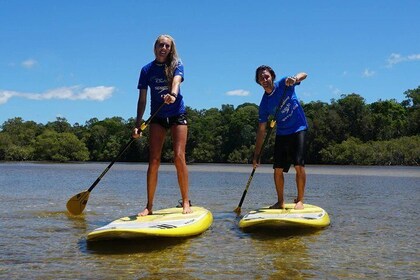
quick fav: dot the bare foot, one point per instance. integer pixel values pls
(299, 205)
(277, 206)
(145, 212)
(186, 208)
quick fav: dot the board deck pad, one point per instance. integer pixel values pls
(162, 223)
(310, 217)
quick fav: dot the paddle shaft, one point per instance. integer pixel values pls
(267, 137)
(110, 165)
(142, 127)
(253, 169)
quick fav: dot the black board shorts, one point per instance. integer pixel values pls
(290, 149)
(170, 121)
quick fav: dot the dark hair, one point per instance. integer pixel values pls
(262, 68)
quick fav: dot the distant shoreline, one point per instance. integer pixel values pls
(350, 170)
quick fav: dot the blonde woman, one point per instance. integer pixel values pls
(164, 76)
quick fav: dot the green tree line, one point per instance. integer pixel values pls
(344, 131)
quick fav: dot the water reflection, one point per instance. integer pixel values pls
(78, 222)
(284, 253)
(143, 258)
(276, 233)
(131, 246)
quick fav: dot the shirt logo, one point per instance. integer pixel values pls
(160, 81)
(161, 84)
(161, 89)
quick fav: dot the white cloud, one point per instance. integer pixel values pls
(368, 73)
(413, 57)
(396, 58)
(96, 93)
(334, 90)
(5, 96)
(99, 93)
(29, 63)
(238, 92)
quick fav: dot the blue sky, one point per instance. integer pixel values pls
(81, 59)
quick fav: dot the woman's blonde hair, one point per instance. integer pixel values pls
(171, 61)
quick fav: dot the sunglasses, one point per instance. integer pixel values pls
(161, 45)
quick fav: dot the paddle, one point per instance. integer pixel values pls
(77, 203)
(267, 137)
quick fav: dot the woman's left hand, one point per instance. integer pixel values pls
(169, 98)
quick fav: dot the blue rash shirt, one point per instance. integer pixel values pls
(153, 75)
(290, 118)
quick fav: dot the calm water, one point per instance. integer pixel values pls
(374, 232)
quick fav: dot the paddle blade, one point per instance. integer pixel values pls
(77, 203)
(237, 210)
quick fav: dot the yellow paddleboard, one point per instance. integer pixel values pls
(163, 223)
(310, 217)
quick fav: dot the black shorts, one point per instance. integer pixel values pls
(170, 121)
(290, 149)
